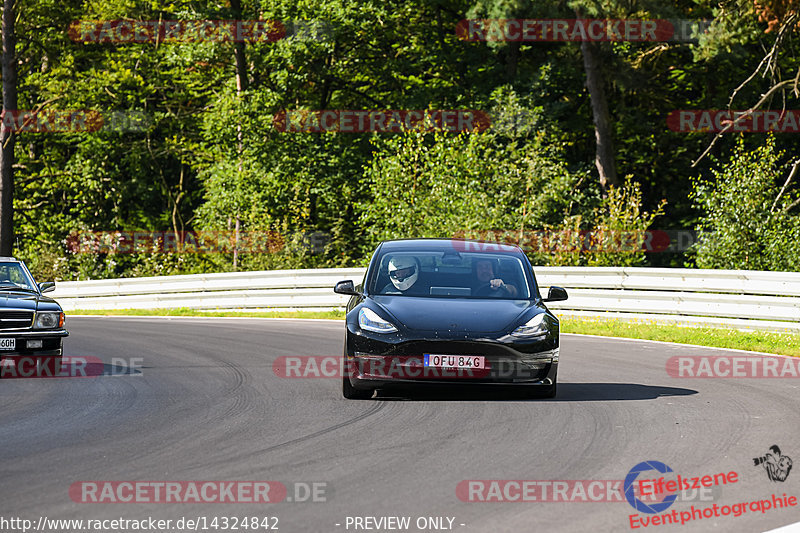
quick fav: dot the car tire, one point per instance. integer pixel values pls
(538, 391)
(350, 392)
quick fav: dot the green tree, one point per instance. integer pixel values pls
(749, 220)
(439, 185)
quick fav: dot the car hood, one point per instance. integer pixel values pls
(21, 300)
(454, 315)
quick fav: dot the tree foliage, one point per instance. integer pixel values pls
(751, 220)
(207, 154)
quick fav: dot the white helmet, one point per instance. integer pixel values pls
(403, 271)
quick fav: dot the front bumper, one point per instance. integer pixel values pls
(51, 342)
(376, 362)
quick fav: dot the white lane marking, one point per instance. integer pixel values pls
(791, 528)
(168, 317)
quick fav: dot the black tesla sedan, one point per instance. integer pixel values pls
(436, 311)
(31, 324)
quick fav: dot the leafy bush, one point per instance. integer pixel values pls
(435, 185)
(747, 221)
(620, 227)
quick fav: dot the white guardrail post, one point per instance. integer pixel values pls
(734, 298)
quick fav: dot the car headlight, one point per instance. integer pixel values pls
(370, 321)
(535, 327)
(49, 320)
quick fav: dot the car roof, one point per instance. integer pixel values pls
(8, 260)
(460, 245)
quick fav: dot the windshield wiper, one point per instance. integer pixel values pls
(17, 288)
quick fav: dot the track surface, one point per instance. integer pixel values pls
(206, 405)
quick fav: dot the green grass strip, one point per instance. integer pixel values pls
(757, 341)
(183, 311)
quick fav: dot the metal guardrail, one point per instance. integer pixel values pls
(736, 298)
(743, 299)
(272, 289)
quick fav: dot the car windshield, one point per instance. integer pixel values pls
(451, 274)
(13, 276)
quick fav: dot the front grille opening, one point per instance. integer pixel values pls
(15, 319)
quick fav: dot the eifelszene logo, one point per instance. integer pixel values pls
(655, 495)
(630, 485)
(777, 466)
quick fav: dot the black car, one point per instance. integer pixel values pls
(446, 311)
(31, 324)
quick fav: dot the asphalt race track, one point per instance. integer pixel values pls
(199, 400)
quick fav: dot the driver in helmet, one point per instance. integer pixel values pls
(403, 274)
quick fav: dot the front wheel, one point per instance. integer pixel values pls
(348, 391)
(538, 391)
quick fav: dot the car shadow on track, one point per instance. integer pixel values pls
(567, 392)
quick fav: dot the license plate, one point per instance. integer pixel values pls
(8, 344)
(454, 361)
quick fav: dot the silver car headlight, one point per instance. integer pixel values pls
(535, 327)
(370, 321)
(49, 320)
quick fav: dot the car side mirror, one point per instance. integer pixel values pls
(47, 286)
(346, 287)
(556, 294)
